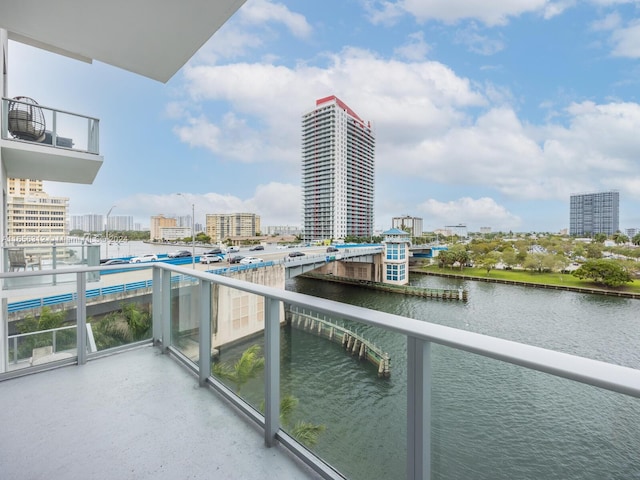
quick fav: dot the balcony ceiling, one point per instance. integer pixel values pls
(153, 38)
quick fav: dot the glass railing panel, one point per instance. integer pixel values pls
(119, 309)
(42, 257)
(40, 335)
(492, 420)
(185, 315)
(28, 121)
(238, 343)
(347, 382)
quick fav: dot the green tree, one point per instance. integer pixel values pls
(620, 238)
(600, 237)
(593, 250)
(488, 261)
(636, 239)
(508, 257)
(246, 368)
(605, 272)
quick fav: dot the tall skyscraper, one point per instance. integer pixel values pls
(338, 150)
(592, 213)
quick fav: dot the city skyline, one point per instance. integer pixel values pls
(487, 117)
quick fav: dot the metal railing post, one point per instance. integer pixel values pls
(204, 362)
(81, 318)
(156, 306)
(418, 409)
(166, 310)
(272, 371)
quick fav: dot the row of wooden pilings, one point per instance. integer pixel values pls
(353, 343)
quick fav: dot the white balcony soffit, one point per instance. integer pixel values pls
(153, 38)
(34, 160)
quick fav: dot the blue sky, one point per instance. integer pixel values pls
(486, 113)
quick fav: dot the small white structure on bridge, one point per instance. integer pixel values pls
(396, 256)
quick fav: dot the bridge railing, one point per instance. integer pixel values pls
(192, 310)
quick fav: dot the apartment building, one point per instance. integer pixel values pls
(220, 226)
(593, 213)
(338, 167)
(409, 224)
(158, 222)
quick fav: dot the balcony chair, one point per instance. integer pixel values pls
(18, 260)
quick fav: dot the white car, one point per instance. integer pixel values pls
(149, 257)
(233, 249)
(248, 260)
(210, 259)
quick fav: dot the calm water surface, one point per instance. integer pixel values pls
(489, 420)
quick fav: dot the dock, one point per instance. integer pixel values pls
(354, 344)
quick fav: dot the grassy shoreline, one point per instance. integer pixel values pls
(524, 277)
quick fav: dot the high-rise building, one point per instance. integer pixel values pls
(158, 222)
(593, 213)
(338, 150)
(222, 226)
(91, 222)
(409, 224)
(35, 217)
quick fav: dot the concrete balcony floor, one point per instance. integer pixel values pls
(133, 415)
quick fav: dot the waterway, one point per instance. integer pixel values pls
(489, 420)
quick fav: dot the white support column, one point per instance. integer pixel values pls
(418, 409)
(204, 362)
(4, 336)
(272, 371)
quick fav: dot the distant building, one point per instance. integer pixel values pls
(409, 224)
(338, 150)
(87, 223)
(121, 223)
(33, 216)
(593, 213)
(175, 233)
(157, 223)
(282, 230)
(459, 230)
(632, 232)
(485, 230)
(222, 226)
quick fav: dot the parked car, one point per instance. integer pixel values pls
(248, 260)
(148, 257)
(215, 251)
(332, 249)
(210, 259)
(114, 261)
(236, 259)
(233, 249)
(257, 247)
(296, 254)
(179, 254)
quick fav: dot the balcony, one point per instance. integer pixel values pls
(43, 143)
(139, 407)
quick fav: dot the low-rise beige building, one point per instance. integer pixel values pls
(219, 227)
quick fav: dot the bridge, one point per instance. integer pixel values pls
(112, 279)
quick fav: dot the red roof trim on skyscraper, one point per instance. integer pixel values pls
(341, 104)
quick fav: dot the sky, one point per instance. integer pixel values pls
(489, 114)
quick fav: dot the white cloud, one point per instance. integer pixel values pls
(478, 43)
(627, 41)
(489, 12)
(257, 12)
(276, 203)
(609, 22)
(472, 212)
(415, 49)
